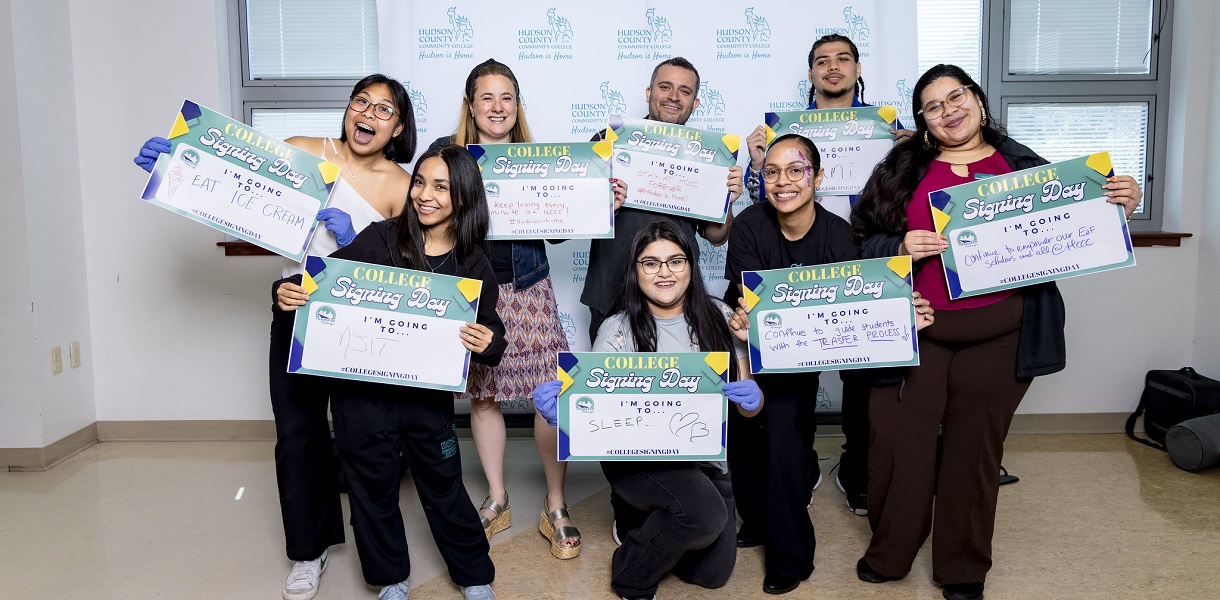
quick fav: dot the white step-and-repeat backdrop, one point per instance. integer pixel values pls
(578, 63)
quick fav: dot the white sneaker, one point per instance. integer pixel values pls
(614, 533)
(398, 591)
(816, 485)
(478, 592)
(302, 583)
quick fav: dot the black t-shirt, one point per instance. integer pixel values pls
(756, 244)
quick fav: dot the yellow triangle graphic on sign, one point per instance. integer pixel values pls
(1100, 162)
(604, 148)
(900, 265)
(889, 113)
(180, 127)
(470, 288)
(329, 172)
(308, 283)
(770, 134)
(732, 141)
(565, 379)
(610, 135)
(940, 218)
(751, 299)
(718, 361)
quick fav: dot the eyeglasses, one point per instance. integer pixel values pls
(361, 104)
(651, 266)
(936, 108)
(794, 173)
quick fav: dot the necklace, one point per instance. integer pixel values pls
(448, 255)
(351, 173)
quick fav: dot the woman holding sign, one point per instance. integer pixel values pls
(491, 113)
(441, 231)
(977, 361)
(686, 522)
(378, 131)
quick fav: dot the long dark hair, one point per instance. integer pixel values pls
(401, 147)
(882, 205)
(855, 54)
(704, 320)
(469, 222)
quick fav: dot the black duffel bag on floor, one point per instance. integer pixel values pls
(1171, 397)
(1194, 444)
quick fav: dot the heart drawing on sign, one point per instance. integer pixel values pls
(680, 421)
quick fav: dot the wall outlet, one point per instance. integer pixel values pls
(74, 354)
(57, 361)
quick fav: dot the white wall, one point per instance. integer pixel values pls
(177, 331)
(20, 412)
(180, 331)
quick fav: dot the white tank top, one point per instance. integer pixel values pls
(345, 198)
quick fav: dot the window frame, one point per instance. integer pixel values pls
(1004, 89)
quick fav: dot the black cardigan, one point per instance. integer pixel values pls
(1042, 348)
(377, 244)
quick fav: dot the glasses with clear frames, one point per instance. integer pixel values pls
(652, 266)
(361, 104)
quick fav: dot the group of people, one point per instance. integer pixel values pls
(645, 294)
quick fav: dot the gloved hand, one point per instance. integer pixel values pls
(339, 223)
(745, 393)
(545, 396)
(154, 147)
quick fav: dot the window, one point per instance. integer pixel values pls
(1068, 78)
(289, 77)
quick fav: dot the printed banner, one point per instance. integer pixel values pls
(643, 406)
(851, 141)
(547, 191)
(224, 174)
(375, 323)
(1042, 224)
(672, 169)
(847, 315)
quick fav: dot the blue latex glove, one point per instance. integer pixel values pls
(154, 147)
(745, 393)
(545, 396)
(339, 223)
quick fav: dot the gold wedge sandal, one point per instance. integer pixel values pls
(546, 526)
(503, 519)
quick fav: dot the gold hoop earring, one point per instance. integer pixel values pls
(984, 114)
(926, 142)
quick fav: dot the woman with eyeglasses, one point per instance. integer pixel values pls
(976, 361)
(378, 131)
(686, 522)
(491, 113)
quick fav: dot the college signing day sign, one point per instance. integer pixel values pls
(375, 323)
(851, 141)
(836, 316)
(1042, 224)
(643, 406)
(673, 169)
(249, 185)
(547, 191)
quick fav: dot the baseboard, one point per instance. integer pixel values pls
(41, 459)
(186, 431)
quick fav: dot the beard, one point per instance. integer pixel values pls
(837, 93)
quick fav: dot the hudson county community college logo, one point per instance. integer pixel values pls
(325, 315)
(772, 320)
(584, 404)
(903, 102)
(751, 42)
(855, 26)
(653, 43)
(453, 42)
(712, 109)
(492, 189)
(967, 238)
(590, 117)
(799, 103)
(419, 103)
(551, 43)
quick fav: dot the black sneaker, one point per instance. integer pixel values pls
(866, 573)
(963, 591)
(857, 492)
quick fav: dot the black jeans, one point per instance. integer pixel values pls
(689, 529)
(373, 423)
(305, 467)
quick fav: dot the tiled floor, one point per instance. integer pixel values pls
(1094, 516)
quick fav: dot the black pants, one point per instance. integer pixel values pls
(373, 423)
(689, 527)
(854, 469)
(768, 458)
(305, 467)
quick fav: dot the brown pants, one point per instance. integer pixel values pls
(966, 382)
